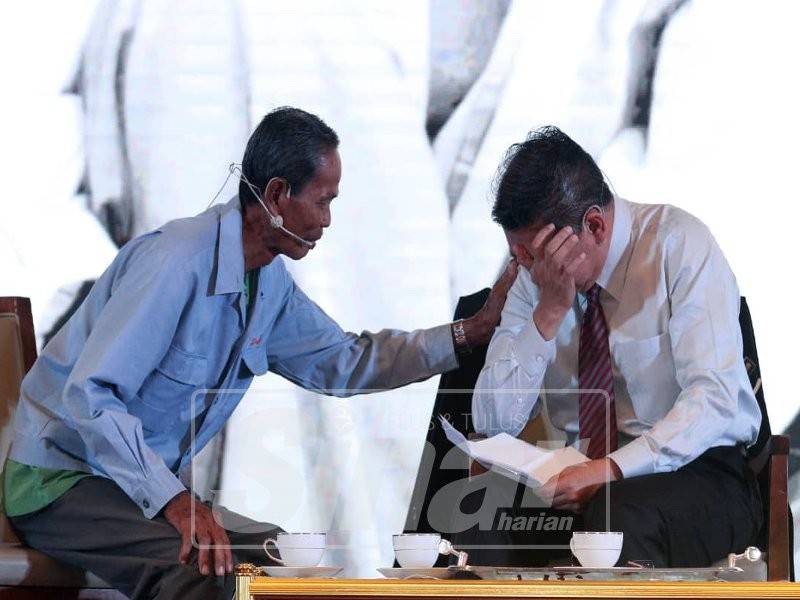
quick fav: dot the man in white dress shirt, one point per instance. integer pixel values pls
(630, 311)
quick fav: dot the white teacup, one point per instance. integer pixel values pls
(596, 549)
(297, 549)
(416, 550)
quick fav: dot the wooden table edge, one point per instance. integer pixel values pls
(392, 588)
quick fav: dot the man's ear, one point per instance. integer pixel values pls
(277, 188)
(597, 225)
(522, 255)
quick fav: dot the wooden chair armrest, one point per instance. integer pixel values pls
(778, 551)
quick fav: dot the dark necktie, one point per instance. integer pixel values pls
(597, 419)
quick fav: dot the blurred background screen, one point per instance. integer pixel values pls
(119, 115)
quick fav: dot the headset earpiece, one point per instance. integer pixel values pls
(275, 221)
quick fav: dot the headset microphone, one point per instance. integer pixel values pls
(276, 221)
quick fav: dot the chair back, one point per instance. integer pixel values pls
(17, 354)
(768, 459)
(454, 402)
(759, 451)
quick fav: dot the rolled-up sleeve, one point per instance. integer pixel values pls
(131, 335)
(508, 387)
(309, 348)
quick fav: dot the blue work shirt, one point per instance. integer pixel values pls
(118, 390)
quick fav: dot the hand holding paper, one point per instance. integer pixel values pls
(514, 457)
(575, 486)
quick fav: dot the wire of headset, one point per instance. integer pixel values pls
(276, 221)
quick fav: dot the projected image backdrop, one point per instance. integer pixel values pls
(120, 115)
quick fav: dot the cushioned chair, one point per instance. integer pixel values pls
(768, 457)
(26, 573)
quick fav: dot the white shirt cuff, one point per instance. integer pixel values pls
(634, 459)
(533, 352)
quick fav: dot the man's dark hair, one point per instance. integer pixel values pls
(548, 178)
(288, 143)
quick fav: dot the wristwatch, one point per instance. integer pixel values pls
(460, 342)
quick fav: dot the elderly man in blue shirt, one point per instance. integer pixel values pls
(97, 474)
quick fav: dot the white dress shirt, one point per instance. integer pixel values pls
(672, 307)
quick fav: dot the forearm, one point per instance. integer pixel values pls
(509, 386)
(699, 419)
(504, 400)
(115, 447)
(547, 320)
(393, 359)
(373, 362)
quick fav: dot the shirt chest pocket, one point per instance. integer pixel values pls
(170, 389)
(647, 370)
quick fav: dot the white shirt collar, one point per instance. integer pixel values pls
(612, 277)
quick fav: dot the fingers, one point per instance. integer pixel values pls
(214, 549)
(564, 497)
(205, 526)
(576, 262)
(203, 559)
(509, 275)
(505, 281)
(480, 327)
(549, 489)
(561, 498)
(558, 240)
(550, 485)
(224, 543)
(539, 239)
(555, 248)
(215, 553)
(522, 255)
(216, 557)
(221, 549)
(562, 254)
(571, 500)
(186, 545)
(223, 559)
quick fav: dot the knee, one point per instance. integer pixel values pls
(596, 514)
(640, 522)
(611, 510)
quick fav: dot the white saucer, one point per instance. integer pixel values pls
(302, 572)
(418, 573)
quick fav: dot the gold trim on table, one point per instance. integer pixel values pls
(264, 587)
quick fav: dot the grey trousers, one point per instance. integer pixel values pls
(96, 527)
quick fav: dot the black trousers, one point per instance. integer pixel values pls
(687, 518)
(96, 527)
